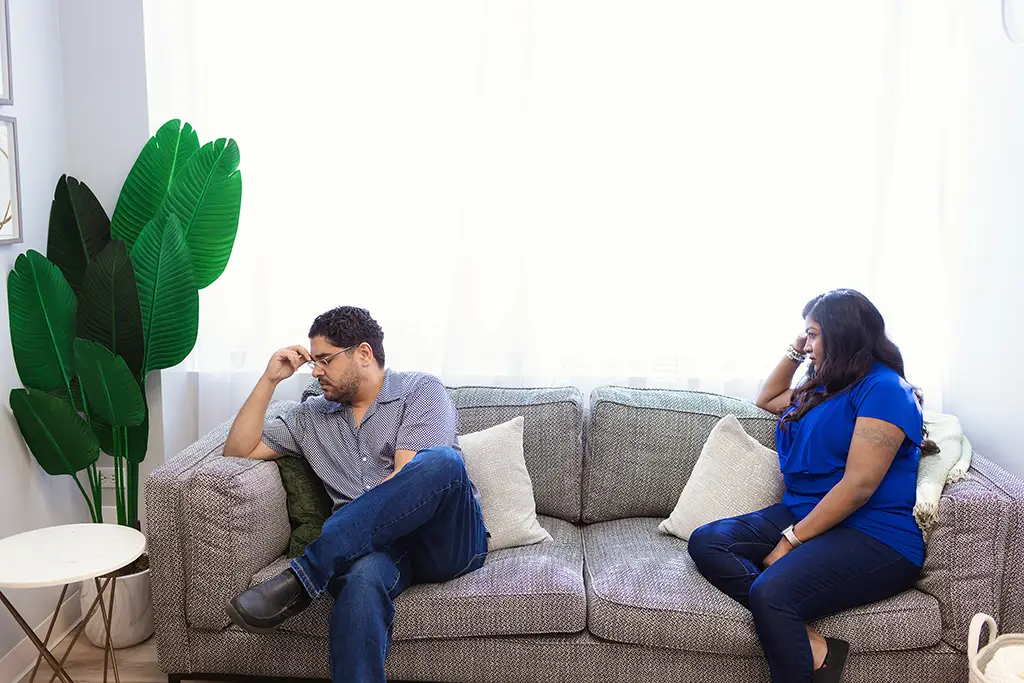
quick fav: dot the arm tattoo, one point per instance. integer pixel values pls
(878, 437)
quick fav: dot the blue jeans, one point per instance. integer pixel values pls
(840, 569)
(421, 526)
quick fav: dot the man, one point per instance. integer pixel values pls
(405, 511)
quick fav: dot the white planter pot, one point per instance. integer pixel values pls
(133, 611)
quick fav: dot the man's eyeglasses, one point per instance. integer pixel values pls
(322, 363)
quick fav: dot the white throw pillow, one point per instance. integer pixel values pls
(735, 474)
(495, 463)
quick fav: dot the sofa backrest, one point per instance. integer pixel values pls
(642, 445)
(552, 437)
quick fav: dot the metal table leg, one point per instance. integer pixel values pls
(81, 626)
(49, 632)
(43, 652)
(108, 650)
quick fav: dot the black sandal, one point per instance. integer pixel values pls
(831, 670)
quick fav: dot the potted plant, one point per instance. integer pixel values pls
(113, 300)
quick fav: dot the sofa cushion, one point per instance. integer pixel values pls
(552, 437)
(308, 502)
(494, 461)
(643, 588)
(535, 589)
(642, 445)
(734, 475)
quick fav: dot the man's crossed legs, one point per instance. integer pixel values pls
(422, 526)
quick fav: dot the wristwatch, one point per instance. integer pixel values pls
(791, 535)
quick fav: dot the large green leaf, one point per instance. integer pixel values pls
(145, 188)
(207, 197)
(79, 229)
(42, 311)
(104, 432)
(74, 396)
(108, 306)
(110, 388)
(167, 294)
(58, 438)
(138, 438)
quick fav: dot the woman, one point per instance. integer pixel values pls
(849, 440)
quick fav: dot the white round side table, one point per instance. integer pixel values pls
(64, 555)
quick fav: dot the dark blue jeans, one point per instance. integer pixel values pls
(840, 569)
(421, 526)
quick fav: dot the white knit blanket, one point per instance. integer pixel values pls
(950, 464)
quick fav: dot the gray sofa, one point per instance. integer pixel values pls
(609, 599)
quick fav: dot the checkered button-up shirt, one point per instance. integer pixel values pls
(412, 412)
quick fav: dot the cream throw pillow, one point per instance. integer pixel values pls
(734, 475)
(495, 463)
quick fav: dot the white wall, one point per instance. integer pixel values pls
(80, 94)
(104, 91)
(28, 497)
(986, 370)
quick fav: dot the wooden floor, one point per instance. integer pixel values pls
(85, 664)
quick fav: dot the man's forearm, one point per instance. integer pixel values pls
(247, 429)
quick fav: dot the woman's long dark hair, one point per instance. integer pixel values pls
(854, 339)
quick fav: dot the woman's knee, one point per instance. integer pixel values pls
(768, 594)
(704, 541)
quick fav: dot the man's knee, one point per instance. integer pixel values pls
(369, 575)
(443, 458)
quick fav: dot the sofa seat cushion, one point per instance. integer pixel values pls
(535, 589)
(643, 589)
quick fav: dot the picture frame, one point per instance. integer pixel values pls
(6, 79)
(10, 183)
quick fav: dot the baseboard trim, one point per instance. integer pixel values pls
(17, 663)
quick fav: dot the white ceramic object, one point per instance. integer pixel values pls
(133, 611)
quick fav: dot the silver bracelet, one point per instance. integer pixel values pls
(790, 535)
(795, 355)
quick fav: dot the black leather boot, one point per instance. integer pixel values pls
(831, 670)
(266, 606)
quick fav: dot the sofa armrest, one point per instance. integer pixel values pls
(975, 554)
(213, 523)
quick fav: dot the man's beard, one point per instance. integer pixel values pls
(344, 392)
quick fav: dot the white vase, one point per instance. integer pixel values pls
(132, 622)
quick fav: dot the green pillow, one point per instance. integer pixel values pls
(309, 506)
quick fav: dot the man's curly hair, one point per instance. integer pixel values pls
(346, 326)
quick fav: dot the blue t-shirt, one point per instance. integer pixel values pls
(813, 452)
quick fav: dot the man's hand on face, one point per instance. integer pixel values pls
(285, 362)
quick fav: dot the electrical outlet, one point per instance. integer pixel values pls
(106, 477)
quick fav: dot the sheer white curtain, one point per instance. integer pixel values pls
(563, 192)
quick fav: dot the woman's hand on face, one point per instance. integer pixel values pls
(780, 551)
(800, 343)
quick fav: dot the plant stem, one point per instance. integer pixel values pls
(119, 446)
(133, 493)
(97, 490)
(92, 511)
